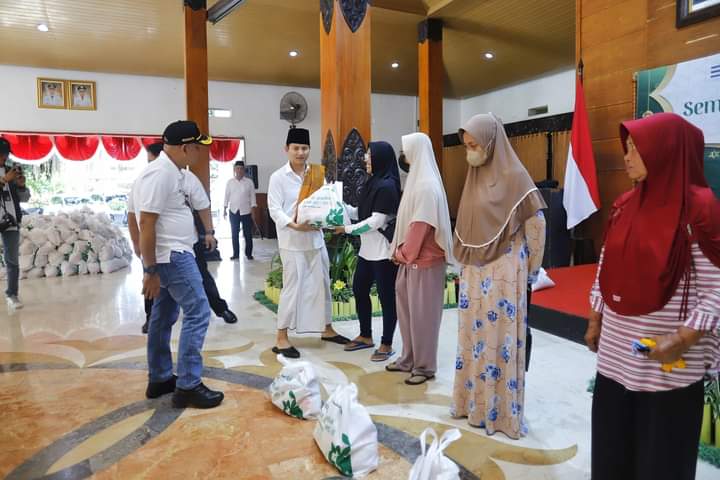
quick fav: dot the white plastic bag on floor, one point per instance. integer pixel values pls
(93, 267)
(325, 207)
(432, 464)
(52, 271)
(27, 247)
(25, 262)
(543, 281)
(36, 272)
(296, 390)
(41, 261)
(346, 435)
(67, 269)
(113, 265)
(82, 268)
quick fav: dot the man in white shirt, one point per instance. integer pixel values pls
(240, 200)
(195, 195)
(171, 276)
(305, 300)
(52, 96)
(81, 98)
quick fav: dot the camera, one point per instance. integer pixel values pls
(7, 221)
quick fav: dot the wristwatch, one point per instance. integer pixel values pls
(210, 232)
(152, 269)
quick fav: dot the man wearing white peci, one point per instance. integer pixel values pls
(305, 301)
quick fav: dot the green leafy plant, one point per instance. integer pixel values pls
(451, 277)
(292, 408)
(275, 276)
(339, 457)
(712, 396)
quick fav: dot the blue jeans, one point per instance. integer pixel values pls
(181, 287)
(11, 241)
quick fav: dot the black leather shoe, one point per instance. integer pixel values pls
(145, 326)
(234, 257)
(158, 389)
(198, 397)
(228, 316)
(250, 257)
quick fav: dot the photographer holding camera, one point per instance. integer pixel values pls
(12, 192)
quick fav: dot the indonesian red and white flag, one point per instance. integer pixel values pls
(581, 197)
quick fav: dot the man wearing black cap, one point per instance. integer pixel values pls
(240, 199)
(305, 301)
(172, 278)
(193, 189)
(12, 192)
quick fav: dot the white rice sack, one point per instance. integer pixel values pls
(37, 272)
(72, 238)
(54, 237)
(113, 265)
(38, 236)
(46, 249)
(55, 259)
(86, 235)
(41, 260)
(23, 275)
(82, 268)
(324, 208)
(93, 267)
(106, 253)
(67, 269)
(26, 262)
(65, 248)
(75, 258)
(92, 257)
(52, 271)
(27, 247)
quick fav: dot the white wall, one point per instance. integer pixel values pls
(130, 104)
(511, 104)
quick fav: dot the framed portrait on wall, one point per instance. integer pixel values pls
(694, 11)
(51, 93)
(81, 95)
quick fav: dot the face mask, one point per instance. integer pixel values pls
(404, 166)
(475, 159)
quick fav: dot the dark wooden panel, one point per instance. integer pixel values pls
(591, 7)
(613, 22)
(431, 78)
(609, 154)
(605, 121)
(627, 52)
(610, 89)
(454, 170)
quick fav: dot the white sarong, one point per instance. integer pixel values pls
(305, 301)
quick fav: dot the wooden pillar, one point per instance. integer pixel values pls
(345, 84)
(196, 76)
(430, 82)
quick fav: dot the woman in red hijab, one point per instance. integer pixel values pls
(658, 278)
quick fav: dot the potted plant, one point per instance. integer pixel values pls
(341, 298)
(711, 413)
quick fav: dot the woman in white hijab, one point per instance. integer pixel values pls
(499, 240)
(422, 246)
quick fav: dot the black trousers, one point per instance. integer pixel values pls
(217, 304)
(236, 220)
(645, 435)
(383, 273)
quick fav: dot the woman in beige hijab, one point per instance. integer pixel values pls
(499, 240)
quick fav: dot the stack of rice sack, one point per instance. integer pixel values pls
(77, 243)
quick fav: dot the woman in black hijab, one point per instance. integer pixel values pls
(376, 213)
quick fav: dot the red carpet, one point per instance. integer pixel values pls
(571, 292)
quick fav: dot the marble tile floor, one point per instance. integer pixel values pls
(72, 383)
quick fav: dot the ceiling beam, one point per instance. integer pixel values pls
(441, 8)
(417, 7)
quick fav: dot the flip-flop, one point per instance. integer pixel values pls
(392, 367)
(379, 356)
(418, 379)
(339, 339)
(354, 346)
(286, 352)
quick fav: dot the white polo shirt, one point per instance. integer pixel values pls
(240, 196)
(162, 189)
(282, 197)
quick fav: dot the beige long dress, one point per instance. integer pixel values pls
(490, 365)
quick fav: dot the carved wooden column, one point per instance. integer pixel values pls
(430, 82)
(345, 90)
(196, 76)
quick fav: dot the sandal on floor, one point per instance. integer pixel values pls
(393, 367)
(286, 352)
(339, 339)
(418, 379)
(355, 345)
(379, 356)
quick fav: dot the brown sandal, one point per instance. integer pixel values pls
(393, 367)
(418, 379)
